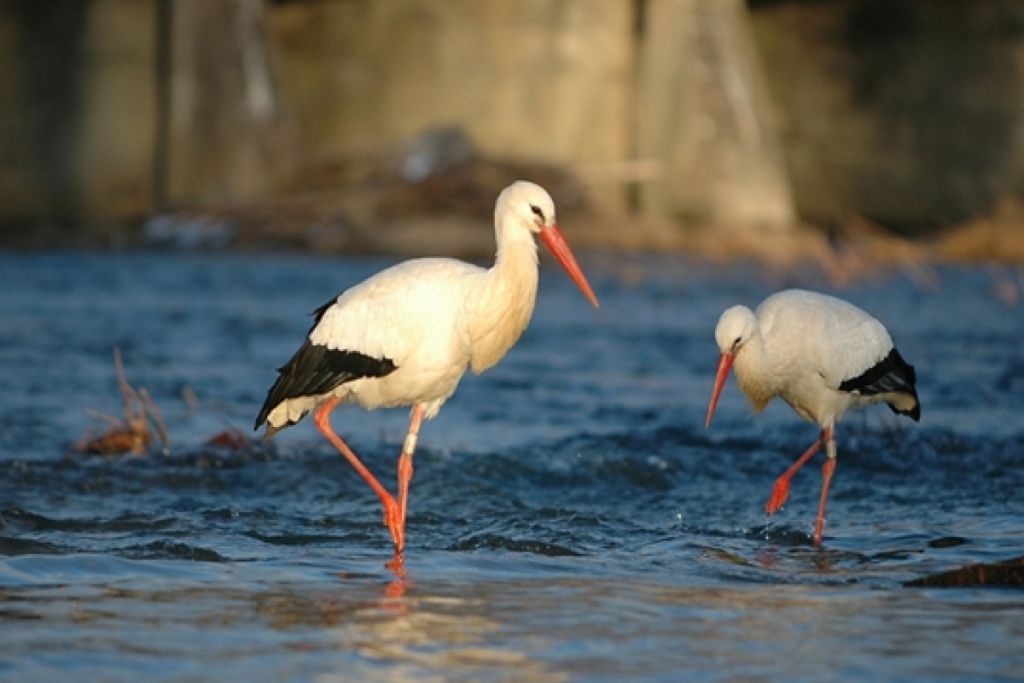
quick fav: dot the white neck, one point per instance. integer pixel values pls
(503, 302)
(751, 368)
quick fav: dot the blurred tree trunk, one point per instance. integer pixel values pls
(40, 88)
(909, 113)
(229, 135)
(75, 116)
(114, 116)
(703, 112)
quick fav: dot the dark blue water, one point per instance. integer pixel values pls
(570, 517)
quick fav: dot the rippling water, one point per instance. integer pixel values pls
(570, 517)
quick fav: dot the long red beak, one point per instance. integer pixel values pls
(552, 237)
(724, 364)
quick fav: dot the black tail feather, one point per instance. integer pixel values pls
(891, 375)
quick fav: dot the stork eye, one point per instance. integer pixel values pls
(736, 342)
(536, 211)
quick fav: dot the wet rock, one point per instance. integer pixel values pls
(1008, 573)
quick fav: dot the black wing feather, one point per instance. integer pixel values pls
(890, 375)
(315, 369)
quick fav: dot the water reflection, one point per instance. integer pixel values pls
(396, 565)
(451, 617)
(407, 632)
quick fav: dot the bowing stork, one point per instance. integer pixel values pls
(822, 356)
(406, 336)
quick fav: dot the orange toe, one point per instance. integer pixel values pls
(393, 521)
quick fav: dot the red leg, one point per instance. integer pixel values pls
(780, 492)
(391, 511)
(827, 469)
(405, 469)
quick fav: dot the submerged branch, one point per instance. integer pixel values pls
(131, 434)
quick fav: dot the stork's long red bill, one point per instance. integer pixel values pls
(724, 364)
(556, 243)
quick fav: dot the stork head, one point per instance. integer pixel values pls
(735, 328)
(526, 206)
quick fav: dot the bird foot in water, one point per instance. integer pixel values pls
(780, 493)
(394, 522)
(396, 564)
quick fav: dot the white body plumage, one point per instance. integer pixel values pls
(433, 318)
(407, 335)
(803, 347)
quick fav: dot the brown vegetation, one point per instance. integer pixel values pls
(230, 439)
(133, 434)
(375, 210)
(995, 237)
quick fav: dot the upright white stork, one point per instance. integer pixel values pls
(406, 336)
(822, 356)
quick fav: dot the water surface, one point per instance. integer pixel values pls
(570, 518)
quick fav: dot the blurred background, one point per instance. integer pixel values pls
(779, 128)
